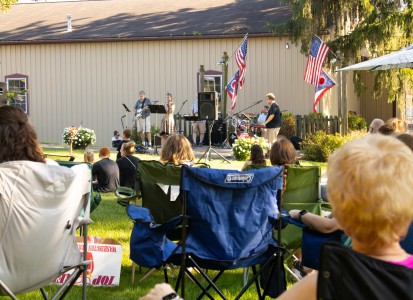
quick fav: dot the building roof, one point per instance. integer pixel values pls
(138, 19)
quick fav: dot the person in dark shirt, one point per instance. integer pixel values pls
(106, 172)
(126, 135)
(273, 122)
(127, 165)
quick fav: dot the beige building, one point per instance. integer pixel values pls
(81, 60)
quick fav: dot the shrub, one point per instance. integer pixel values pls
(242, 146)
(319, 146)
(82, 137)
(356, 123)
(288, 126)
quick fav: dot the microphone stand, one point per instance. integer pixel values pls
(177, 114)
(226, 144)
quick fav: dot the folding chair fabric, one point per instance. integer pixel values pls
(231, 217)
(149, 246)
(157, 183)
(347, 274)
(40, 207)
(228, 208)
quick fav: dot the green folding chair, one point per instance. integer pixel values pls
(302, 192)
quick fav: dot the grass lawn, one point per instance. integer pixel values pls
(110, 221)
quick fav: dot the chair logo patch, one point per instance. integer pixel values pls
(239, 178)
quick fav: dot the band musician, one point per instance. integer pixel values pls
(142, 117)
(168, 122)
(198, 127)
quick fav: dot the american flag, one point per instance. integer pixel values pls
(232, 89)
(316, 58)
(241, 58)
(324, 84)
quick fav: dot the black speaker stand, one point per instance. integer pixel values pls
(207, 153)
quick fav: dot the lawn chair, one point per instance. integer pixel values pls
(302, 192)
(347, 274)
(40, 211)
(158, 187)
(231, 216)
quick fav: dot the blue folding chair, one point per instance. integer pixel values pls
(230, 217)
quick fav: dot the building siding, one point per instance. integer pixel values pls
(87, 82)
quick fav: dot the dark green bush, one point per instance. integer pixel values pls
(356, 123)
(288, 126)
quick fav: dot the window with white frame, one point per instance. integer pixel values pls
(17, 91)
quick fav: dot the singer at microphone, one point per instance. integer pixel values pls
(273, 121)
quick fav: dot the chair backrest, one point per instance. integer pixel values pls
(158, 185)
(347, 274)
(302, 192)
(40, 207)
(231, 213)
(303, 185)
(94, 201)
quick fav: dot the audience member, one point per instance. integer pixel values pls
(126, 135)
(89, 157)
(407, 139)
(375, 125)
(116, 139)
(256, 157)
(18, 139)
(127, 165)
(106, 172)
(283, 152)
(161, 291)
(354, 195)
(393, 126)
(177, 150)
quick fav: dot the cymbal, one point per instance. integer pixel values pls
(250, 115)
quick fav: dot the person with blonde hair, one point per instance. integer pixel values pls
(168, 122)
(371, 201)
(127, 165)
(177, 150)
(393, 126)
(89, 157)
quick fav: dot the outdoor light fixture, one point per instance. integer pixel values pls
(287, 46)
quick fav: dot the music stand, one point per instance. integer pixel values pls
(156, 109)
(126, 115)
(207, 153)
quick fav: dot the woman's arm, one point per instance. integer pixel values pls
(319, 223)
(305, 289)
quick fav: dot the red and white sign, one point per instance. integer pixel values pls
(106, 257)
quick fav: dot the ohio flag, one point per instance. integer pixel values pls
(232, 89)
(324, 84)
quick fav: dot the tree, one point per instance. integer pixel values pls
(356, 27)
(5, 5)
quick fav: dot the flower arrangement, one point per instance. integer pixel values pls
(80, 137)
(242, 146)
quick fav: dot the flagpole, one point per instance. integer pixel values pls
(245, 36)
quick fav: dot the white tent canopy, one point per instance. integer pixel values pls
(402, 58)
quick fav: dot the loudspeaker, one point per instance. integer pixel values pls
(3, 92)
(207, 106)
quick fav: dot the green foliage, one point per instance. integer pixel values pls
(288, 125)
(82, 138)
(356, 123)
(379, 26)
(319, 146)
(242, 146)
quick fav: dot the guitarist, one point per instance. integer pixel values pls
(142, 116)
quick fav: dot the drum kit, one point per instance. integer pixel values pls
(245, 127)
